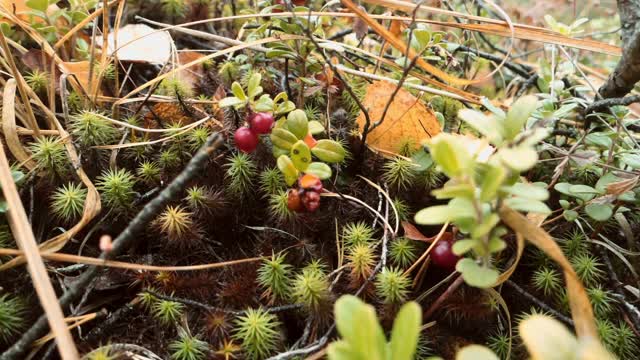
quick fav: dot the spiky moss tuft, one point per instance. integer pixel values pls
(174, 87)
(108, 73)
(148, 172)
(403, 252)
(6, 238)
(217, 325)
(241, 173)
(74, 100)
(166, 311)
(271, 181)
(500, 344)
(574, 244)
(359, 88)
(274, 275)
(188, 347)
(258, 332)
(601, 299)
(313, 112)
(37, 80)
(547, 280)
(430, 178)
(50, 155)
(116, 188)
(67, 202)
(229, 71)
(361, 260)
(279, 208)
(402, 208)
(407, 147)
(174, 8)
(619, 339)
(103, 353)
(311, 289)
(400, 173)
(588, 268)
(357, 233)
(176, 224)
(392, 286)
(90, 129)
(197, 137)
(12, 320)
(169, 159)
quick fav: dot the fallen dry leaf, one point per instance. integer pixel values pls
(80, 72)
(411, 232)
(190, 76)
(407, 118)
(140, 43)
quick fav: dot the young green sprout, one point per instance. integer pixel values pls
(11, 317)
(399, 173)
(167, 311)
(91, 129)
(241, 173)
(274, 276)
(188, 347)
(116, 188)
(403, 252)
(392, 286)
(257, 331)
(67, 202)
(50, 155)
(357, 233)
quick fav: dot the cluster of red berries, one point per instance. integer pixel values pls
(246, 137)
(306, 197)
(442, 254)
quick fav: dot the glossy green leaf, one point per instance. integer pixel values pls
(329, 151)
(288, 169)
(476, 275)
(518, 115)
(300, 155)
(253, 85)
(283, 138)
(237, 91)
(405, 332)
(315, 127)
(599, 212)
(319, 169)
(298, 124)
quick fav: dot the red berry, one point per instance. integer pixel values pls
(246, 140)
(310, 182)
(442, 255)
(294, 202)
(261, 123)
(311, 200)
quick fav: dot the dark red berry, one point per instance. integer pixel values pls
(311, 200)
(442, 255)
(310, 182)
(261, 123)
(246, 140)
(294, 202)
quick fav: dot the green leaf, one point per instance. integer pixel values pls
(457, 190)
(491, 182)
(518, 115)
(315, 127)
(476, 352)
(434, 215)
(463, 246)
(599, 212)
(476, 275)
(369, 341)
(496, 244)
(488, 126)
(4, 206)
(486, 226)
(253, 85)
(547, 338)
(423, 160)
(319, 169)
(340, 350)
(40, 5)
(528, 191)
(345, 309)
(570, 215)
(237, 91)
(300, 155)
(583, 192)
(264, 104)
(527, 205)
(519, 158)
(405, 332)
(282, 138)
(329, 151)
(564, 204)
(632, 160)
(599, 139)
(298, 124)
(288, 169)
(230, 101)
(450, 154)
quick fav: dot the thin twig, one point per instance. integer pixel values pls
(540, 303)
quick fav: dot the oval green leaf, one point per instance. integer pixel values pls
(300, 155)
(329, 151)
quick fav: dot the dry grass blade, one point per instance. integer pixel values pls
(69, 258)
(400, 45)
(9, 128)
(25, 239)
(581, 310)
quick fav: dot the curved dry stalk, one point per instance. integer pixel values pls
(9, 128)
(426, 252)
